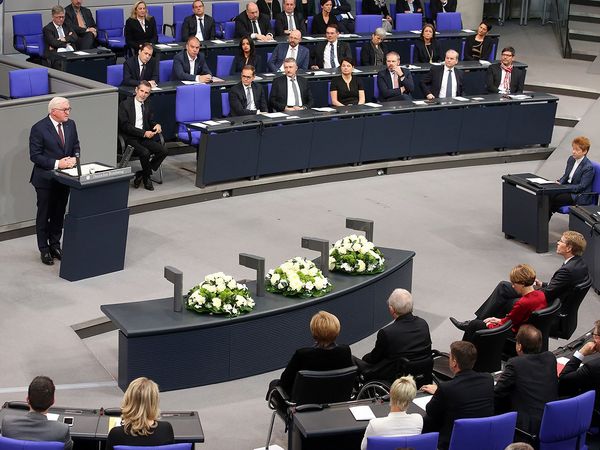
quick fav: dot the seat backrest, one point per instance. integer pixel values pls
(427, 441)
(110, 20)
(409, 22)
(420, 369)
(358, 53)
(358, 7)
(450, 21)
(565, 422)
(566, 324)
(367, 23)
(492, 55)
(28, 82)
(179, 446)
(224, 63)
(27, 29)
(543, 318)
(192, 103)
(309, 22)
(596, 182)
(165, 68)
(486, 433)
(489, 343)
(181, 11)
(156, 11)
(17, 444)
(114, 75)
(225, 11)
(375, 89)
(228, 30)
(225, 108)
(321, 387)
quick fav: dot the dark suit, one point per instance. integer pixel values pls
(408, 336)
(45, 148)
(431, 82)
(527, 383)
(370, 7)
(181, 67)
(281, 23)
(52, 42)
(279, 93)
(402, 5)
(239, 61)
(85, 39)
(423, 54)
(367, 53)
(385, 84)
(501, 300)
(582, 180)
(279, 53)
(131, 71)
(576, 379)
(494, 77)
(238, 100)
(190, 27)
(436, 7)
(469, 394)
(135, 36)
(150, 152)
(319, 26)
(35, 426)
(243, 25)
(342, 48)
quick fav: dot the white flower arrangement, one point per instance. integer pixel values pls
(297, 277)
(356, 255)
(219, 294)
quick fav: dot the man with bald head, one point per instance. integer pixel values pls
(253, 24)
(289, 19)
(292, 49)
(443, 81)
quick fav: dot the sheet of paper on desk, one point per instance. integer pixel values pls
(324, 109)
(113, 422)
(373, 105)
(421, 402)
(81, 53)
(256, 78)
(419, 102)
(86, 169)
(362, 412)
(412, 67)
(540, 181)
(198, 124)
(477, 98)
(356, 71)
(320, 72)
(211, 122)
(519, 96)
(350, 35)
(53, 416)
(484, 63)
(217, 41)
(436, 63)
(268, 74)
(162, 45)
(466, 30)
(156, 88)
(190, 82)
(174, 44)
(217, 79)
(461, 99)
(274, 115)
(415, 31)
(292, 117)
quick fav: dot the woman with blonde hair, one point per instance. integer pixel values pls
(140, 27)
(139, 418)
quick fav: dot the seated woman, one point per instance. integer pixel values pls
(140, 27)
(346, 89)
(522, 278)
(380, 8)
(397, 422)
(269, 7)
(246, 57)
(324, 355)
(427, 48)
(139, 414)
(320, 21)
(409, 6)
(373, 52)
(479, 46)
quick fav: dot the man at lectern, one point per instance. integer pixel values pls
(53, 143)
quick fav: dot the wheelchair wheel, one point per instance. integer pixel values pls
(374, 389)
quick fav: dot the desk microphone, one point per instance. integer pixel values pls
(78, 164)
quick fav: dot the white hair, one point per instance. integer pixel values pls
(56, 102)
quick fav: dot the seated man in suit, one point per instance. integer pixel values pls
(394, 83)
(572, 272)
(290, 92)
(290, 50)
(407, 336)
(373, 52)
(289, 19)
(139, 129)
(58, 36)
(329, 54)
(251, 23)
(345, 20)
(247, 97)
(528, 381)
(198, 24)
(81, 20)
(442, 6)
(35, 425)
(443, 81)
(503, 77)
(190, 64)
(469, 394)
(141, 67)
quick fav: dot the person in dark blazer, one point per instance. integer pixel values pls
(341, 9)
(141, 67)
(283, 95)
(379, 8)
(140, 27)
(270, 8)
(578, 177)
(394, 82)
(58, 36)
(435, 83)
(373, 52)
(53, 144)
(35, 425)
(440, 6)
(251, 23)
(469, 394)
(244, 103)
(246, 56)
(323, 57)
(81, 20)
(572, 272)
(409, 6)
(182, 64)
(289, 17)
(198, 24)
(479, 46)
(528, 381)
(292, 49)
(427, 48)
(407, 336)
(323, 19)
(133, 112)
(503, 77)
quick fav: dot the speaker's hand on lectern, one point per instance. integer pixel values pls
(66, 162)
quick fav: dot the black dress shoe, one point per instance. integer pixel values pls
(56, 252)
(148, 184)
(137, 180)
(46, 258)
(460, 325)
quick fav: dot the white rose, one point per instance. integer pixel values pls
(241, 286)
(250, 302)
(296, 285)
(361, 266)
(234, 311)
(275, 278)
(231, 284)
(331, 263)
(342, 250)
(309, 286)
(211, 289)
(320, 283)
(227, 307)
(356, 247)
(220, 287)
(313, 271)
(216, 302)
(346, 267)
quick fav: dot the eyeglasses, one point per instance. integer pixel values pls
(595, 334)
(247, 76)
(63, 109)
(507, 54)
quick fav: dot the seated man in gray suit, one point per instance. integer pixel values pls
(35, 426)
(290, 50)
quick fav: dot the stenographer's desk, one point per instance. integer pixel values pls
(251, 146)
(586, 220)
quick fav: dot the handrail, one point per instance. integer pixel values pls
(558, 16)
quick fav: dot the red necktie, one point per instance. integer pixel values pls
(61, 135)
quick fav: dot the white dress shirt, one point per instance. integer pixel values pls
(61, 34)
(192, 64)
(290, 94)
(327, 56)
(292, 52)
(139, 116)
(253, 35)
(445, 82)
(575, 166)
(55, 124)
(199, 34)
(503, 74)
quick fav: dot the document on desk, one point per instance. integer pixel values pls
(519, 96)
(539, 180)
(198, 124)
(412, 67)
(466, 30)
(52, 416)
(156, 88)
(356, 71)
(320, 72)
(461, 99)
(419, 102)
(215, 122)
(190, 82)
(324, 109)
(218, 41)
(415, 31)
(81, 53)
(373, 105)
(86, 169)
(422, 402)
(362, 412)
(162, 46)
(484, 63)
(477, 98)
(267, 74)
(275, 115)
(113, 422)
